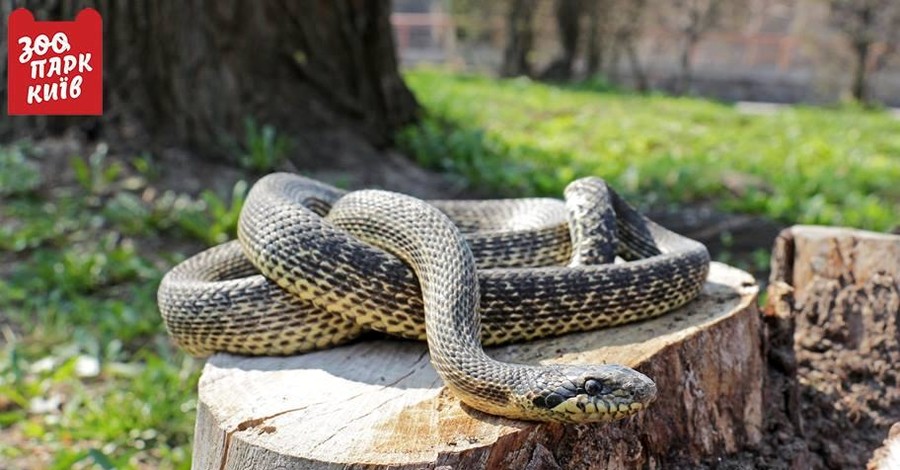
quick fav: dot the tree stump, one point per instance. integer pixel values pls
(380, 404)
(838, 291)
(888, 456)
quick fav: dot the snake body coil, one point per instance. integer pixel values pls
(333, 265)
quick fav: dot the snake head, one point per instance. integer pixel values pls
(583, 394)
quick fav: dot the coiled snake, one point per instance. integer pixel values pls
(314, 267)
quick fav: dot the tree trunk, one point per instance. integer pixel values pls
(685, 74)
(568, 17)
(613, 64)
(839, 291)
(860, 74)
(596, 35)
(520, 37)
(380, 404)
(640, 78)
(888, 456)
(323, 74)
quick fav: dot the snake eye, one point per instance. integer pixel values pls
(593, 387)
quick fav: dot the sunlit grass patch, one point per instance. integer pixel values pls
(801, 165)
(88, 378)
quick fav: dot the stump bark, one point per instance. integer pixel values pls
(837, 291)
(888, 456)
(379, 403)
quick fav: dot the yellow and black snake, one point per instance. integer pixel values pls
(315, 266)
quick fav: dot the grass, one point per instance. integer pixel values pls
(88, 378)
(802, 165)
(263, 148)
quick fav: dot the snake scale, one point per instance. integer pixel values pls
(314, 267)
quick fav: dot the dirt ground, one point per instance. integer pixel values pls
(825, 408)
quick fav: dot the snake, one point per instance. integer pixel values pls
(315, 266)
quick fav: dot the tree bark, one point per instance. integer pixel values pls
(380, 404)
(520, 38)
(568, 19)
(640, 78)
(323, 74)
(860, 72)
(686, 72)
(696, 18)
(597, 34)
(568, 15)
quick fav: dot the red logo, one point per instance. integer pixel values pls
(55, 67)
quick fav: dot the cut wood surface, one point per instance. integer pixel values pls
(380, 404)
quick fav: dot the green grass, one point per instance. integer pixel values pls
(87, 375)
(263, 148)
(802, 165)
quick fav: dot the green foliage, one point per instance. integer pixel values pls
(95, 175)
(84, 267)
(264, 148)
(118, 416)
(215, 221)
(801, 165)
(209, 219)
(18, 175)
(145, 164)
(29, 223)
(80, 271)
(470, 153)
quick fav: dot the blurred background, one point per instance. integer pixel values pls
(724, 120)
(800, 51)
